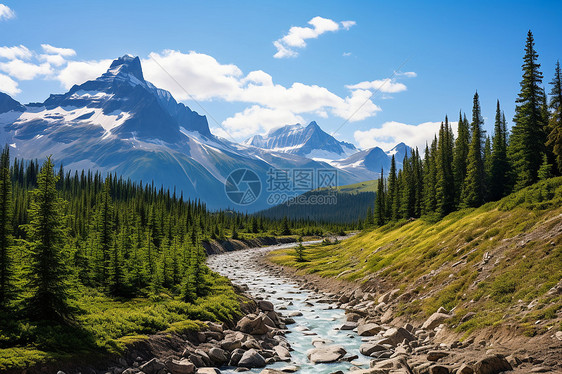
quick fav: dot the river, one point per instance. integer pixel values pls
(318, 320)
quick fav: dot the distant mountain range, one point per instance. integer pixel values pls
(121, 123)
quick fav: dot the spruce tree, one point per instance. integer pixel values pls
(445, 189)
(47, 271)
(380, 202)
(499, 169)
(473, 186)
(390, 214)
(460, 156)
(105, 227)
(554, 141)
(545, 171)
(528, 137)
(430, 178)
(6, 239)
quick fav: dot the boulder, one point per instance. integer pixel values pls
(282, 352)
(326, 354)
(236, 356)
(397, 335)
(252, 359)
(265, 305)
(435, 320)
(493, 364)
(208, 371)
(152, 367)
(230, 345)
(348, 326)
(253, 326)
(368, 349)
(436, 355)
(218, 356)
(180, 366)
(465, 369)
(368, 329)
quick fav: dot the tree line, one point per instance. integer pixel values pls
(61, 231)
(474, 168)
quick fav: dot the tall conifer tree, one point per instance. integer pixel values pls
(473, 187)
(554, 141)
(6, 211)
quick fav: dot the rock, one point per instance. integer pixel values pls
(230, 345)
(442, 310)
(438, 369)
(252, 359)
(348, 326)
(465, 369)
(558, 335)
(290, 369)
(252, 326)
(397, 335)
(368, 329)
(208, 371)
(180, 366)
(388, 296)
(197, 360)
(435, 320)
(492, 365)
(265, 305)
(353, 317)
(436, 355)
(513, 360)
(326, 354)
(152, 367)
(296, 313)
(282, 352)
(218, 356)
(271, 371)
(467, 316)
(368, 348)
(540, 369)
(236, 356)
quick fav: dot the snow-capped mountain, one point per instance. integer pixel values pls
(368, 164)
(310, 141)
(121, 123)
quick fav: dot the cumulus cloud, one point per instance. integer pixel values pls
(11, 53)
(23, 70)
(66, 52)
(202, 77)
(256, 118)
(391, 133)
(77, 72)
(6, 12)
(8, 85)
(297, 36)
(381, 85)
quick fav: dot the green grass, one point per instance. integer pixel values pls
(418, 257)
(107, 326)
(368, 186)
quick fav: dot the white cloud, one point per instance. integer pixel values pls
(23, 70)
(348, 24)
(6, 12)
(407, 74)
(56, 60)
(256, 118)
(346, 54)
(199, 74)
(11, 53)
(391, 133)
(77, 72)
(207, 79)
(297, 36)
(66, 52)
(8, 85)
(380, 85)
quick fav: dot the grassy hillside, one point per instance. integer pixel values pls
(367, 186)
(498, 261)
(106, 326)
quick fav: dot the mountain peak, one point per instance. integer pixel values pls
(126, 65)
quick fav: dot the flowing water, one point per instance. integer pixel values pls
(318, 320)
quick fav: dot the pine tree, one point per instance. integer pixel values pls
(473, 187)
(528, 137)
(487, 161)
(6, 211)
(499, 168)
(430, 178)
(460, 156)
(545, 171)
(47, 271)
(555, 121)
(390, 196)
(380, 202)
(105, 227)
(445, 189)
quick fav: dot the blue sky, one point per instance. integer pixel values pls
(223, 53)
